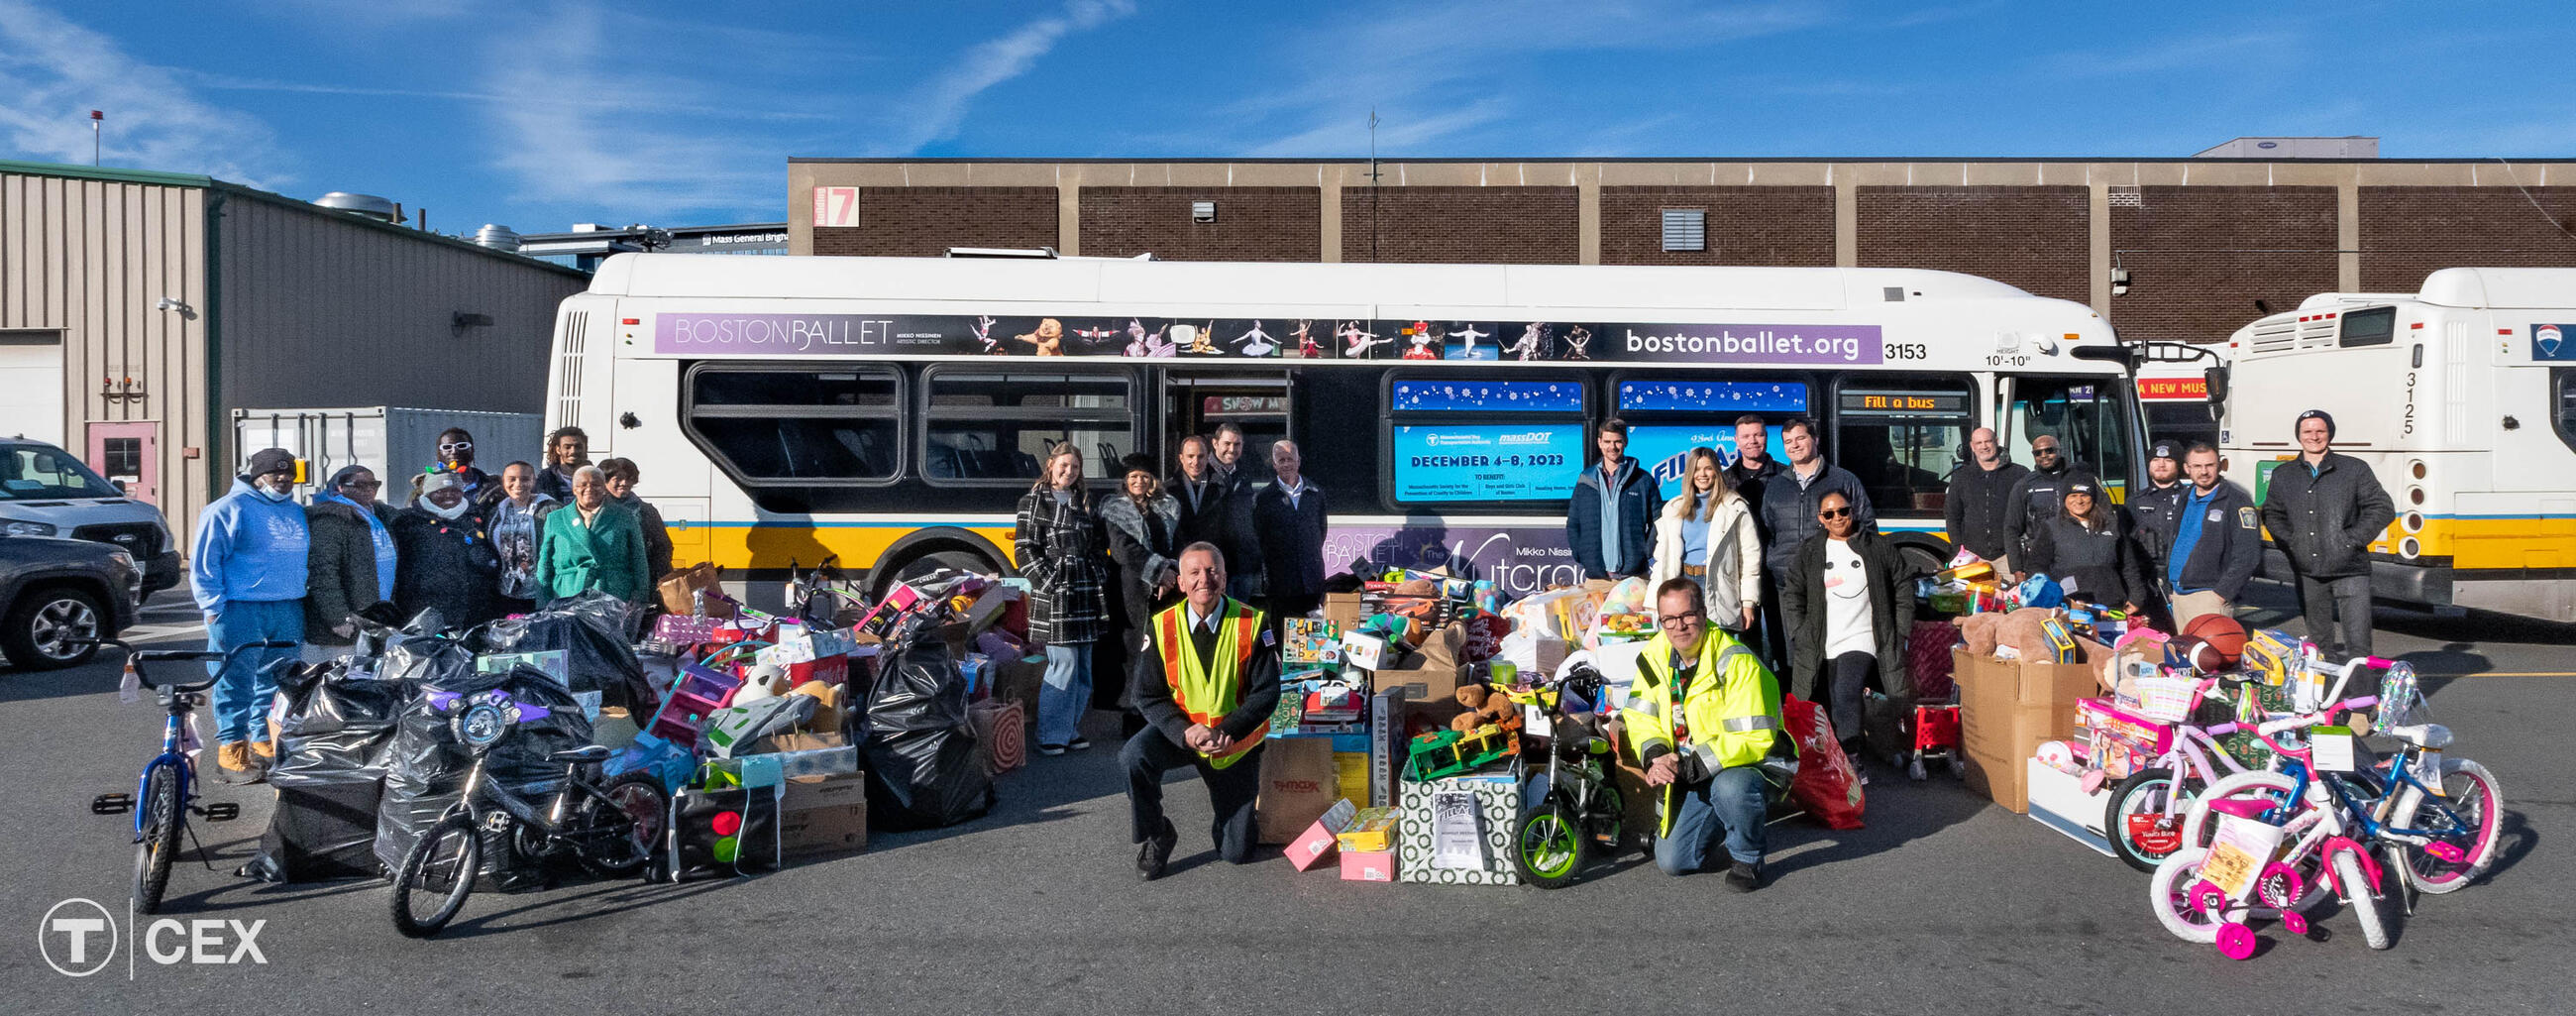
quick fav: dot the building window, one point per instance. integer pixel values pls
(769, 426)
(1685, 229)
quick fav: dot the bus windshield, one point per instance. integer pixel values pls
(2090, 417)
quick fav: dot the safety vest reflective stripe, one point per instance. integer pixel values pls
(1239, 633)
(1744, 724)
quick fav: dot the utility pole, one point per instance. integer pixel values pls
(97, 118)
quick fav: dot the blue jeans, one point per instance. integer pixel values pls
(1066, 694)
(243, 689)
(1735, 803)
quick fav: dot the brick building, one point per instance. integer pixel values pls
(2201, 241)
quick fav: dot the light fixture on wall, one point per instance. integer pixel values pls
(2119, 282)
(1202, 211)
(175, 304)
(462, 320)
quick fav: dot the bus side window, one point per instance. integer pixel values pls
(1901, 439)
(2562, 388)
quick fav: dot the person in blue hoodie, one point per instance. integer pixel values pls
(249, 571)
(1610, 517)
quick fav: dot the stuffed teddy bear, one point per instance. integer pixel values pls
(2025, 631)
(1980, 631)
(1483, 707)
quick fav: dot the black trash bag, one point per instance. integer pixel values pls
(610, 616)
(595, 658)
(427, 767)
(925, 767)
(334, 743)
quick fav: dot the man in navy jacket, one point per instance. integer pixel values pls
(1610, 519)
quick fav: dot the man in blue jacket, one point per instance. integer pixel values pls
(248, 572)
(1610, 519)
(2213, 540)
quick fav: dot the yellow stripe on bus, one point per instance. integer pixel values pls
(2507, 543)
(741, 547)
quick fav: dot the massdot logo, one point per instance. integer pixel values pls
(77, 937)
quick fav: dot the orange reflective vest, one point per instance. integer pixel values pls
(1207, 694)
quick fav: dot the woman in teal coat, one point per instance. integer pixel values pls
(597, 545)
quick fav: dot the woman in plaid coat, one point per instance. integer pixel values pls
(1064, 553)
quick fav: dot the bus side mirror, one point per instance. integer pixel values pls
(2217, 379)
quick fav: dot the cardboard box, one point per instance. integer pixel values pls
(1368, 867)
(2058, 801)
(823, 815)
(1478, 809)
(1422, 684)
(1342, 610)
(1365, 651)
(1320, 838)
(2006, 709)
(1298, 785)
(1371, 831)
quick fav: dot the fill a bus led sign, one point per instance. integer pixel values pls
(715, 334)
(1486, 396)
(1882, 403)
(2173, 389)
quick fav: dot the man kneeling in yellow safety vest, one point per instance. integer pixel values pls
(1704, 718)
(1207, 708)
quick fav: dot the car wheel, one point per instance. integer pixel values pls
(52, 628)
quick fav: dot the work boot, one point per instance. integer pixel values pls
(1742, 877)
(232, 762)
(1156, 852)
(265, 750)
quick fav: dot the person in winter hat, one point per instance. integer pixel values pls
(248, 572)
(450, 564)
(352, 563)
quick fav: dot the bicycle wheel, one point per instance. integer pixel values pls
(2357, 895)
(2169, 894)
(1610, 821)
(624, 826)
(1551, 847)
(2146, 792)
(436, 876)
(2470, 812)
(164, 814)
(2270, 787)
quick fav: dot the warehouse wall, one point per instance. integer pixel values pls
(320, 308)
(90, 257)
(924, 221)
(2031, 237)
(1252, 223)
(1774, 226)
(1462, 225)
(2408, 232)
(2202, 255)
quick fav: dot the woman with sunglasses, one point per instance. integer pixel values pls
(1848, 615)
(351, 564)
(2088, 549)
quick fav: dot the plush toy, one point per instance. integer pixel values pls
(1980, 631)
(1483, 707)
(2025, 631)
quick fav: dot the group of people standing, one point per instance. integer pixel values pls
(470, 546)
(1100, 567)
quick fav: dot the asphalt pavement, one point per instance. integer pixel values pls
(1941, 904)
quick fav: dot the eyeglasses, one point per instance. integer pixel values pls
(364, 484)
(1680, 620)
(1832, 513)
(452, 447)
(2044, 450)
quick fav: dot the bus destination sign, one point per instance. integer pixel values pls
(1886, 403)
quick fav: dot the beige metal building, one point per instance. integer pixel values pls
(139, 309)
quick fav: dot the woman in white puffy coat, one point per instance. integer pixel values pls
(1706, 533)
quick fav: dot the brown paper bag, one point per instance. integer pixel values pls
(677, 587)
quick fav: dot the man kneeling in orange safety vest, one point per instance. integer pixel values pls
(1207, 709)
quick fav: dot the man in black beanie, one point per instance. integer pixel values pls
(2324, 510)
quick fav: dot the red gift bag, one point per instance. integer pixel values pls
(1826, 786)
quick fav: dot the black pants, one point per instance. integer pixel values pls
(1771, 640)
(1843, 691)
(1150, 754)
(2320, 600)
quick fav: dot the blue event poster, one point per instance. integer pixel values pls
(1498, 462)
(1665, 450)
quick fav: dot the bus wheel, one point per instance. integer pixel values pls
(1920, 559)
(884, 580)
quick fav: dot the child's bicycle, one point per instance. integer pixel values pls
(1571, 807)
(610, 831)
(2143, 815)
(166, 794)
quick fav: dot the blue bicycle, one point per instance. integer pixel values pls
(166, 794)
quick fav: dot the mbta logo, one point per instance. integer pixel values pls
(79, 938)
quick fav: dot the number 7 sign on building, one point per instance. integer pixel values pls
(836, 206)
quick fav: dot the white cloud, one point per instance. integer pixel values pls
(936, 113)
(53, 72)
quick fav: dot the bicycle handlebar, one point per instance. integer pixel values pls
(136, 658)
(2289, 723)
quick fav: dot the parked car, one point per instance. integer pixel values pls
(58, 596)
(46, 491)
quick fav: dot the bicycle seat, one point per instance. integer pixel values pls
(2241, 807)
(2424, 735)
(585, 753)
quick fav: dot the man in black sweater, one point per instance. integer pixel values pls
(2034, 499)
(1206, 705)
(1980, 494)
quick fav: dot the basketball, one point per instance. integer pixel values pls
(2222, 633)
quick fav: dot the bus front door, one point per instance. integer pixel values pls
(1198, 403)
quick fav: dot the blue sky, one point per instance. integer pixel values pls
(538, 113)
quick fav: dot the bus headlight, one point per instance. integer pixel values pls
(2415, 495)
(2409, 549)
(2415, 468)
(2414, 522)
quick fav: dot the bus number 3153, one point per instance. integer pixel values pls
(1909, 351)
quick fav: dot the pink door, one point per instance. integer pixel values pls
(129, 452)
